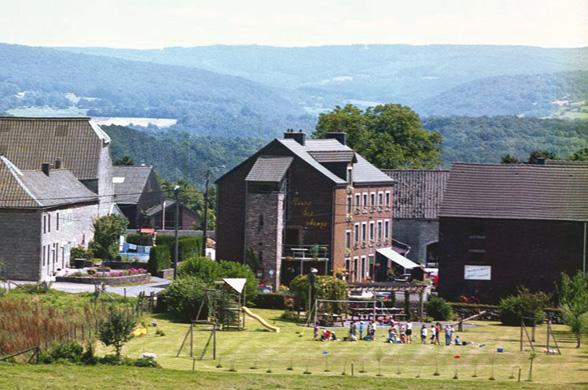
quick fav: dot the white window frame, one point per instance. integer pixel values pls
(349, 205)
(356, 233)
(372, 232)
(379, 233)
(373, 198)
(357, 200)
(348, 242)
(363, 266)
(380, 198)
(364, 199)
(388, 198)
(386, 229)
(364, 233)
(355, 266)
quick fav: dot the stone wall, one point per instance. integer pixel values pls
(417, 233)
(263, 232)
(20, 244)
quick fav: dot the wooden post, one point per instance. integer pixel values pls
(521, 338)
(192, 339)
(213, 342)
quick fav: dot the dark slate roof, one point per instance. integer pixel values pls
(269, 169)
(567, 163)
(418, 193)
(517, 191)
(129, 183)
(77, 142)
(329, 156)
(168, 203)
(363, 171)
(33, 189)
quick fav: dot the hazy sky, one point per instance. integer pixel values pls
(161, 23)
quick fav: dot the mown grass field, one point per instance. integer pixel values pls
(292, 352)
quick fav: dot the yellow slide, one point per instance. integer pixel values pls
(261, 320)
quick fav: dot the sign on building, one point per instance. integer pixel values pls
(477, 272)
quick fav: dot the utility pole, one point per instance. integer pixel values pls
(177, 193)
(205, 222)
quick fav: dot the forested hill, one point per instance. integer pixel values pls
(324, 76)
(179, 155)
(202, 101)
(486, 139)
(529, 95)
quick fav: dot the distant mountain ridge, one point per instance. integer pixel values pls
(320, 77)
(202, 101)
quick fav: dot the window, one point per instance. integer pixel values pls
(387, 198)
(364, 231)
(356, 232)
(349, 175)
(365, 199)
(380, 198)
(44, 256)
(57, 222)
(49, 223)
(349, 204)
(372, 226)
(373, 199)
(44, 223)
(362, 267)
(370, 265)
(355, 261)
(379, 230)
(357, 200)
(348, 239)
(386, 229)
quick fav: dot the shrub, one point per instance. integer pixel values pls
(117, 328)
(524, 304)
(270, 301)
(439, 309)
(69, 351)
(139, 239)
(326, 287)
(187, 246)
(184, 297)
(146, 362)
(107, 231)
(79, 252)
(289, 315)
(159, 259)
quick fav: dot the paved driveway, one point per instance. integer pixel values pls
(155, 285)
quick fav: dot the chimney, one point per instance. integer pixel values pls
(297, 136)
(45, 168)
(58, 163)
(339, 136)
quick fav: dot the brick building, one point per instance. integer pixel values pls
(298, 203)
(418, 195)
(505, 226)
(43, 214)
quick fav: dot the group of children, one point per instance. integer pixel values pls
(398, 333)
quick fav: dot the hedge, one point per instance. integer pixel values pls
(159, 259)
(270, 301)
(188, 246)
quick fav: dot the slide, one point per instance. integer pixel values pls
(261, 320)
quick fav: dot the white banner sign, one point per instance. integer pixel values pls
(477, 272)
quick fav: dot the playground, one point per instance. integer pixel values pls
(259, 350)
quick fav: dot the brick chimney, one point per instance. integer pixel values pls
(297, 136)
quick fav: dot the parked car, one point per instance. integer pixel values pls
(403, 278)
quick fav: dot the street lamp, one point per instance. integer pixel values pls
(177, 196)
(206, 202)
(311, 283)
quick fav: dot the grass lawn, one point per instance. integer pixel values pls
(246, 356)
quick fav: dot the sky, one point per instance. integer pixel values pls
(164, 23)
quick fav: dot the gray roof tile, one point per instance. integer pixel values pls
(517, 191)
(269, 169)
(129, 183)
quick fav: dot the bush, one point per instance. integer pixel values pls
(326, 287)
(187, 246)
(79, 252)
(159, 259)
(289, 315)
(210, 271)
(524, 304)
(139, 239)
(146, 362)
(270, 301)
(70, 351)
(184, 297)
(117, 328)
(439, 309)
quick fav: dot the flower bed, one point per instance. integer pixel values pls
(107, 276)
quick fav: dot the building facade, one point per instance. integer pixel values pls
(418, 195)
(43, 214)
(299, 204)
(509, 226)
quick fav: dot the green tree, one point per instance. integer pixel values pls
(389, 136)
(193, 198)
(537, 155)
(580, 155)
(107, 231)
(124, 160)
(573, 301)
(509, 159)
(117, 328)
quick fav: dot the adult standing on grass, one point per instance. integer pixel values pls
(448, 334)
(433, 330)
(424, 333)
(361, 325)
(438, 333)
(409, 332)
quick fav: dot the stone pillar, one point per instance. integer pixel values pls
(264, 225)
